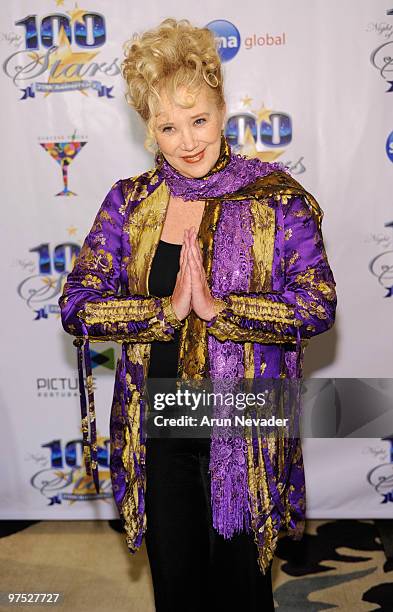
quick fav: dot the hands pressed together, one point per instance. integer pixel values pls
(192, 290)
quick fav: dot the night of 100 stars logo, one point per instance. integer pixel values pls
(381, 57)
(46, 275)
(261, 132)
(59, 466)
(381, 265)
(381, 477)
(60, 54)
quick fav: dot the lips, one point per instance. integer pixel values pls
(193, 159)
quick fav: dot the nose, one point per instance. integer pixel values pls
(189, 142)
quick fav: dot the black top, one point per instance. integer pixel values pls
(162, 280)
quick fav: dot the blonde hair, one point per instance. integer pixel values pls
(173, 55)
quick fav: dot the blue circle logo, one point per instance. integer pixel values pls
(228, 38)
(389, 146)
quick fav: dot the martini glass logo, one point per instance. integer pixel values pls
(64, 153)
(262, 133)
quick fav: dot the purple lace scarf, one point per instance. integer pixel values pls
(228, 451)
(230, 174)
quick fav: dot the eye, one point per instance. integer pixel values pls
(167, 129)
(201, 119)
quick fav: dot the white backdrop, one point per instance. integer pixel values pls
(317, 73)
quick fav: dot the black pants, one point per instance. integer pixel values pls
(193, 567)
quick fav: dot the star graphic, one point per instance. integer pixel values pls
(263, 114)
(71, 230)
(49, 281)
(59, 2)
(64, 57)
(250, 150)
(60, 475)
(246, 101)
(76, 15)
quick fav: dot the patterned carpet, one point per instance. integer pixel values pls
(342, 565)
(337, 565)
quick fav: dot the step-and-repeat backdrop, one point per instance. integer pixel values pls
(307, 83)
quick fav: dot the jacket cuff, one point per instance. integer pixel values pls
(220, 305)
(169, 314)
(115, 311)
(262, 309)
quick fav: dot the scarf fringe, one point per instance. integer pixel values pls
(230, 506)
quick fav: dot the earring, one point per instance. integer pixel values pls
(159, 159)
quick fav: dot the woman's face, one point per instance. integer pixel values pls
(190, 138)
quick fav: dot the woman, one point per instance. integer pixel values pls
(223, 275)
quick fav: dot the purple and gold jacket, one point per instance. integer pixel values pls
(264, 257)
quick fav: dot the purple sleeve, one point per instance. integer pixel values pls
(90, 304)
(306, 306)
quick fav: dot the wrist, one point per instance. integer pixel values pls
(218, 305)
(170, 314)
